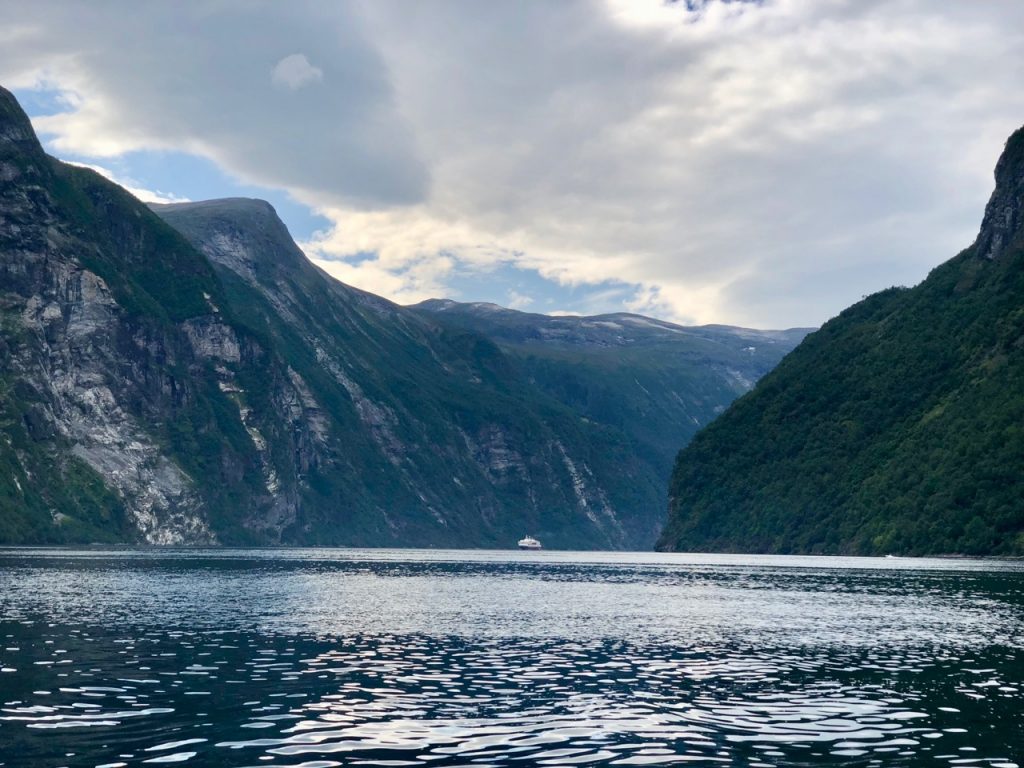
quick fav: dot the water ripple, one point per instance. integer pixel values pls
(300, 661)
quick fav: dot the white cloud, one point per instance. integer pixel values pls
(765, 164)
(517, 300)
(145, 195)
(411, 282)
(294, 72)
(193, 77)
(759, 163)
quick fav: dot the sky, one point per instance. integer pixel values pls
(752, 163)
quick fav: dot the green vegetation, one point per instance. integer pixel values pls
(896, 428)
(434, 389)
(653, 382)
(133, 250)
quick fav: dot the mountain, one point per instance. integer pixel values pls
(898, 427)
(185, 375)
(452, 426)
(656, 382)
(151, 393)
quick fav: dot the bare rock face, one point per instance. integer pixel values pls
(66, 357)
(213, 339)
(125, 393)
(1004, 214)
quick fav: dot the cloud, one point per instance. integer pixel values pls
(294, 72)
(763, 163)
(517, 300)
(411, 283)
(757, 163)
(145, 195)
(193, 77)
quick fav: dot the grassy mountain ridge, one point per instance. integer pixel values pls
(898, 427)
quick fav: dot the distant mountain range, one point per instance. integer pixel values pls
(896, 428)
(656, 382)
(185, 375)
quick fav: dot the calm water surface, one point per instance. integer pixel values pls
(321, 658)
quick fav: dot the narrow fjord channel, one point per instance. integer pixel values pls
(397, 657)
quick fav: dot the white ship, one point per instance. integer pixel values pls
(529, 543)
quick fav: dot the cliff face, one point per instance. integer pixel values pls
(122, 397)
(429, 429)
(1004, 214)
(216, 387)
(894, 428)
(77, 458)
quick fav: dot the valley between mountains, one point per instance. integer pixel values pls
(183, 375)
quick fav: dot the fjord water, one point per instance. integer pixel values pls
(389, 657)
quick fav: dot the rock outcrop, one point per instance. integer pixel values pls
(1004, 214)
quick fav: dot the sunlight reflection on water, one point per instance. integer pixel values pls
(397, 657)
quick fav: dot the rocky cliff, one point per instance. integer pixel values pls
(1001, 227)
(187, 376)
(125, 393)
(204, 383)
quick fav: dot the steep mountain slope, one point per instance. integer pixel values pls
(456, 435)
(203, 382)
(146, 394)
(101, 377)
(655, 381)
(897, 427)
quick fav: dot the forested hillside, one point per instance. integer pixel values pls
(896, 428)
(657, 382)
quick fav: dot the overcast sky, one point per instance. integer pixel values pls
(752, 163)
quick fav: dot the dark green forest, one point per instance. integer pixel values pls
(898, 427)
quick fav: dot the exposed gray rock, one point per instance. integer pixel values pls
(74, 322)
(491, 450)
(1004, 213)
(212, 339)
(206, 383)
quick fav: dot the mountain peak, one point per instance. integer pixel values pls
(244, 234)
(233, 207)
(16, 134)
(1004, 214)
